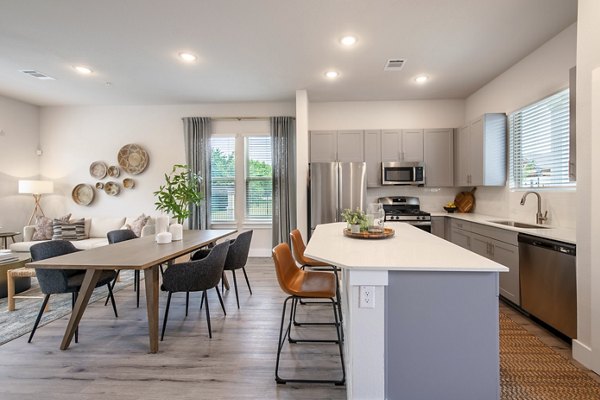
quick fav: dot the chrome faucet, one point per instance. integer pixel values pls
(539, 217)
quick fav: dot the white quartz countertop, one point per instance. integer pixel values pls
(555, 233)
(410, 249)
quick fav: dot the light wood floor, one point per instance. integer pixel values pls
(111, 359)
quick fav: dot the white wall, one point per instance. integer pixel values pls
(19, 139)
(302, 118)
(541, 73)
(425, 114)
(74, 137)
(587, 347)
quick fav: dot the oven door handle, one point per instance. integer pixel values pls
(420, 223)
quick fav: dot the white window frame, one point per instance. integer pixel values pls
(226, 130)
(514, 184)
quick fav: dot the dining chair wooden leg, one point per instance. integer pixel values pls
(162, 336)
(112, 299)
(237, 299)
(220, 299)
(207, 315)
(39, 317)
(247, 281)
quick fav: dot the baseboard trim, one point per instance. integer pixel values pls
(259, 253)
(582, 353)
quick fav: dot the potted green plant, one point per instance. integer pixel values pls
(356, 219)
(181, 188)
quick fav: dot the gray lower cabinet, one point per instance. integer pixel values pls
(438, 226)
(497, 244)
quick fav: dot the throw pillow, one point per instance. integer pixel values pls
(73, 230)
(43, 227)
(138, 224)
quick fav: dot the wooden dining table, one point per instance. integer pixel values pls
(137, 254)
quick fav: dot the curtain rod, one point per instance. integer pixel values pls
(241, 118)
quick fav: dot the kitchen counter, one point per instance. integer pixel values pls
(410, 249)
(555, 233)
(430, 303)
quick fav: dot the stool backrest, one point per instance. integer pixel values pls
(120, 235)
(285, 266)
(298, 247)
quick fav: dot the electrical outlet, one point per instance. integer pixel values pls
(367, 297)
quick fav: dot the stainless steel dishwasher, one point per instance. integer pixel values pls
(548, 282)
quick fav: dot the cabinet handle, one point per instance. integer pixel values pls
(493, 249)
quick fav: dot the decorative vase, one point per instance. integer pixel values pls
(355, 228)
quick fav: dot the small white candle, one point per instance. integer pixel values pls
(163, 237)
(162, 224)
(177, 231)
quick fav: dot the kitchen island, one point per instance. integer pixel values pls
(428, 324)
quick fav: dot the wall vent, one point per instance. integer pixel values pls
(394, 64)
(36, 74)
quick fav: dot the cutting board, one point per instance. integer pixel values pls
(465, 201)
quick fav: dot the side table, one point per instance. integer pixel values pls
(5, 235)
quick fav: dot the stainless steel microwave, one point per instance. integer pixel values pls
(402, 173)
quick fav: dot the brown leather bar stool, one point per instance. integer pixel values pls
(298, 248)
(298, 283)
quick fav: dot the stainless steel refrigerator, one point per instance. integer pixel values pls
(333, 187)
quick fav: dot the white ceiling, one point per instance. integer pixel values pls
(264, 50)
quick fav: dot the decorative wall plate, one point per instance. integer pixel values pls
(128, 183)
(133, 158)
(83, 194)
(99, 185)
(114, 171)
(98, 169)
(112, 188)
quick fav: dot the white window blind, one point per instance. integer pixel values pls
(539, 144)
(259, 173)
(222, 179)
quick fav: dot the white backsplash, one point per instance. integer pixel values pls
(494, 201)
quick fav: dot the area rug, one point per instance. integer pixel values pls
(14, 324)
(531, 370)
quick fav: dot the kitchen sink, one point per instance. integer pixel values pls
(520, 225)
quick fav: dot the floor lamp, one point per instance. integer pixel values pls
(37, 189)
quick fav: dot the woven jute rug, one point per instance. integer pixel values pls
(531, 370)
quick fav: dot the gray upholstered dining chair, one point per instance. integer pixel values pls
(237, 256)
(196, 276)
(121, 235)
(54, 281)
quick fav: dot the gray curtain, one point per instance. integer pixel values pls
(196, 131)
(283, 139)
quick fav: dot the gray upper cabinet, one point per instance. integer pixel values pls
(323, 146)
(373, 157)
(480, 152)
(438, 155)
(350, 146)
(402, 145)
(329, 146)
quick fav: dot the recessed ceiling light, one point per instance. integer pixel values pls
(187, 57)
(421, 79)
(332, 74)
(82, 69)
(348, 40)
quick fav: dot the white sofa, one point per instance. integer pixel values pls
(96, 229)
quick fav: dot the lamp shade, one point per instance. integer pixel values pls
(36, 187)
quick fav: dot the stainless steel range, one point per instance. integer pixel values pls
(406, 209)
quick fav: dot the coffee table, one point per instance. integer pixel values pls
(20, 284)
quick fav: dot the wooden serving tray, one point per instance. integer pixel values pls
(387, 233)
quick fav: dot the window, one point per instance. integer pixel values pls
(222, 179)
(259, 184)
(241, 187)
(539, 144)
